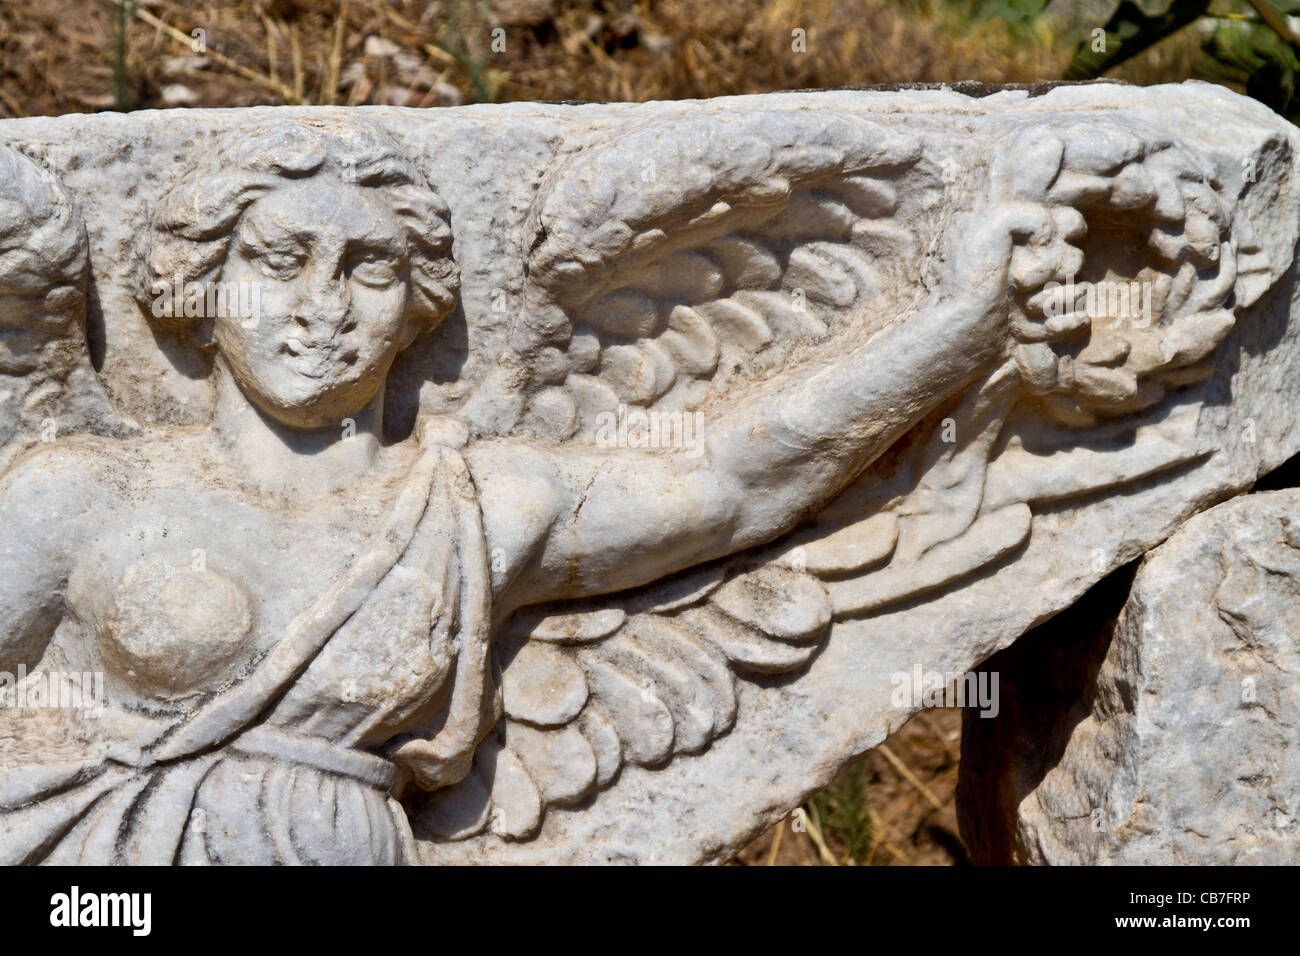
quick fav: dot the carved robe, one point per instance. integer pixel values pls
(283, 766)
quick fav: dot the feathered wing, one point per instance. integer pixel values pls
(669, 270)
(590, 688)
(689, 256)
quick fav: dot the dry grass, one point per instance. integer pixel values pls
(59, 56)
(893, 806)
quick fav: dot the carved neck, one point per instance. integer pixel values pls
(280, 458)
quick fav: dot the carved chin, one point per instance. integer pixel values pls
(306, 402)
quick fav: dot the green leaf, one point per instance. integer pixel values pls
(1254, 58)
(1127, 33)
(1019, 11)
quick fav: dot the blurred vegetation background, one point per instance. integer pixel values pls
(894, 804)
(60, 56)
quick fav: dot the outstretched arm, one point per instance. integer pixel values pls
(575, 522)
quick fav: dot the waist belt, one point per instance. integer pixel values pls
(318, 753)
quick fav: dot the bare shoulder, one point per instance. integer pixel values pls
(75, 475)
(520, 498)
(516, 474)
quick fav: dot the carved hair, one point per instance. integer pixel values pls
(43, 246)
(195, 220)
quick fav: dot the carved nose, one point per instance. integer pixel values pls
(323, 303)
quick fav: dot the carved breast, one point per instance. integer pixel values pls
(173, 630)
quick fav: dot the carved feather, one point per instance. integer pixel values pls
(693, 271)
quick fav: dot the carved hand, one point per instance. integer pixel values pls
(1004, 249)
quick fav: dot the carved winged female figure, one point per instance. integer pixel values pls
(325, 636)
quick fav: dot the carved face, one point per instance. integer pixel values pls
(328, 260)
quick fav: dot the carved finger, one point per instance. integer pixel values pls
(1067, 324)
(1031, 268)
(1055, 300)
(1023, 221)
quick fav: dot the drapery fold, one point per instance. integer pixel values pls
(186, 791)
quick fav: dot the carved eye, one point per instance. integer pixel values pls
(374, 267)
(280, 264)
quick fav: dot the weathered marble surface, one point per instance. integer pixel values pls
(550, 638)
(1185, 749)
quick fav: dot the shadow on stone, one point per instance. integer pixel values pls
(1047, 682)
